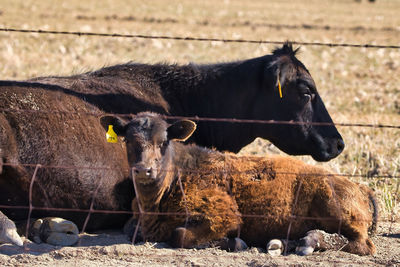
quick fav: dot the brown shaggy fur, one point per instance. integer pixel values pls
(222, 191)
(66, 136)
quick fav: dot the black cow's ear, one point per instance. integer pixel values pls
(119, 125)
(279, 75)
(181, 130)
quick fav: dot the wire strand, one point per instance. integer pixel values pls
(199, 39)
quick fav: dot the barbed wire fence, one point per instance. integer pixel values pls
(199, 39)
(90, 210)
(141, 212)
(30, 207)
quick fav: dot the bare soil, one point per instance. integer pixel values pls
(112, 248)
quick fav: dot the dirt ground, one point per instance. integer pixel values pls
(114, 249)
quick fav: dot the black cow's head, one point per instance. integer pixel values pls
(301, 103)
(147, 137)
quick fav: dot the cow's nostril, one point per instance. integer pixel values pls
(340, 145)
(148, 172)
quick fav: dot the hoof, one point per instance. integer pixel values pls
(327, 241)
(233, 244)
(178, 238)
(308, 244)
(54, 231)
(8, 231)
(275, 247)
(129, 230)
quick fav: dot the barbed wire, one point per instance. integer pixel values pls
(233, 120)
(197, 118)
(202, 172)
(187, 214)
(199, 39)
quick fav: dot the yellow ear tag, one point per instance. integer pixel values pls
(111, 135)
(280, 89)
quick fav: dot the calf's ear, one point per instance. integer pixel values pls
(181, 130)
(119, 125)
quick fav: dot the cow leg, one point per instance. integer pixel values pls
(8, 231)
(187, 237)
(359, 242)
(319, 240)
(276, 247)
(361, 247)
(130, 228)
(52, 230)
(354, 242)
(232, 244)
(217, 217)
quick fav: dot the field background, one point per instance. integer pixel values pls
(358, 85)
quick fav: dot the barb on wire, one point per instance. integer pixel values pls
(200, 39)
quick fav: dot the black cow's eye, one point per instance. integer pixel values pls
(308, 96)
(306, 92)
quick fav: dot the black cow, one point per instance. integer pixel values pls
(246, 89)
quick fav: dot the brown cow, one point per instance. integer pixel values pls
(224, 192)
(61, 132)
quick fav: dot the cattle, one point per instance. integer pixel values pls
(247, 89)
(203, 195)
(57, 126)
(61, 133)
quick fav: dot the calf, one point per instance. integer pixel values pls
(223, 192)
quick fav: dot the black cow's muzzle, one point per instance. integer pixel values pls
(330, 149)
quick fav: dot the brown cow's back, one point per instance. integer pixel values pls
(60, 132)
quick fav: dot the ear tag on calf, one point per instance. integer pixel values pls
(111, 135)
(280, 88)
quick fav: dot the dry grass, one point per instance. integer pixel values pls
(357, 85)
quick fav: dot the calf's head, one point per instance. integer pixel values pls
(300, 102)
(148, 142)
